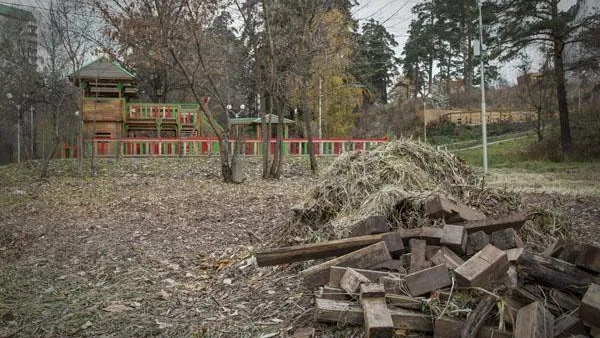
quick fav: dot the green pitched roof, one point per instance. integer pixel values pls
(104, 68)
(16, 13)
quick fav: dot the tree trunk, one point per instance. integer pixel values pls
(276, 167)
(311, 148)
(538, 125)
(566, 142)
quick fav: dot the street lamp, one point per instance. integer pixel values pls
(483, 110)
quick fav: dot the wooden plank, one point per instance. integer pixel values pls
(377, 317)
(418, 260)
(477, 241)
(476, 318)
(506, 239)
(430, 234)
(437, 206)
(534, 321)
(330, 292)
(454, 237)
(406, 302)
(337, 272)
(351, 281)
(564, 300)
(394, 242)
(450, 328)
(447, 257)
(554, 272)
(372, 290)
(589, 311)
(425, 281)
(567, 326)
(392, 265)
(513, 254)
(345, 312)
(481, 269)
(374, 224)
(589, 258)
(488, 226)
(305, 252)
(362, 258)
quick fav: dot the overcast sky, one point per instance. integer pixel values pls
(395, 15)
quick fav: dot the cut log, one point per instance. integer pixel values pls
(377, 317)
(450, 328)
(589, 311)
(418, 260)
(351, 281)
(488, 226)
(431, 250)
(481, 269)
(393, 285)
(329, 292)
(589, 258)
(437, 206)
(477, 241)
(328, 249)
(370, 225)
(447, 257)
(425, 281)
(337, 272)
(363, 258)
(506, 239)
(345, 312)
(534, 321)
(554, 272)
(567, 326)
(513, 254)
(454, 237)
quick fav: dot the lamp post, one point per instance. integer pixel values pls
(483, 108)
(9, 96)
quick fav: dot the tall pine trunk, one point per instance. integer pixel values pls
(566, 141)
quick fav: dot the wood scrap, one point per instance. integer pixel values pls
(567, 326)
(513, 254)
(352, 280)
(372, 290)
(393, 285)
(488, 226)
(362, 258)
(534, 321)
(337, 272)
(506, 239)
(375, 224)
(425, 281)
(476, 318)
(454, 237)
(477, 241)
(447, 257)
(483, 267)
(450, 328)
(589, 310)
(589, 258)
(438, 206)
(418, 259)
(330, 292)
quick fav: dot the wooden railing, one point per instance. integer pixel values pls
(140, 147)
(139, 111)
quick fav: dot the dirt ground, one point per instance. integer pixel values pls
(161, 247)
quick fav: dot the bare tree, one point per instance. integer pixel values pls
(535, 90)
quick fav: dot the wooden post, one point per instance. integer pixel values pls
(534, 321)
(590, 305)
(425, 281)
(377, 317)
(483, 267)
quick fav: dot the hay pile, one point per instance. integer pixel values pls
(391, 180)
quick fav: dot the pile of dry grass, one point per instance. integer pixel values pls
(392, 180)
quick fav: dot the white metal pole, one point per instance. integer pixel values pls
(424, 119)
(320, 109)
(19, 140)
(483, 110)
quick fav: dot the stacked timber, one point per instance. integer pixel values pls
(412, 281)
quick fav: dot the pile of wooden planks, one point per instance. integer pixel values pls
(387, 281)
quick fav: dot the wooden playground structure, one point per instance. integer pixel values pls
(115, 124)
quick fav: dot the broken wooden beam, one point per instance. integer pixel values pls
(328, 249)
(481, 269)
(346, 312)
(488, 226)
(337, 272)
(362, 258)
(425, 281)
(392, 265)
(372, 290)
(437, 206)
(447, 257)
(589, 258)
(589, 311)
(476, 318)
(352, 280)
(564, 300)
(392, 285)
(430, 234)
(454, 237)
(477, 241)
(554, 272)
(534, 321)
(418, 259)
(513, 254)
(374, 224)
(330, 292)
(506, 239)
(450, 328)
